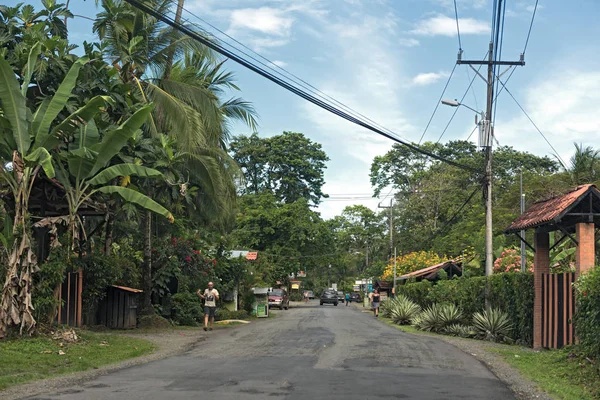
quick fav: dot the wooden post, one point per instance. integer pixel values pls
(541, 266)
(79, 298)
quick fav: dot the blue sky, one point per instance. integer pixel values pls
(390, 59)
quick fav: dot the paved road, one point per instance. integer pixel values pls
(307, 352)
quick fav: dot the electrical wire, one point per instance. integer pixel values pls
(286, 85)
(457, 26)
(451, 220)
(530, 26)
(437, 104)
(471, 134)
(534, 124)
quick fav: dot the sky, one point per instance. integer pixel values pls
(390, 59)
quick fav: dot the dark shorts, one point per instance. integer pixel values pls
(210, 311)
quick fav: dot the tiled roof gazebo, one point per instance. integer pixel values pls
(576, 212)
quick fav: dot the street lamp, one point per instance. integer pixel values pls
(485, 141)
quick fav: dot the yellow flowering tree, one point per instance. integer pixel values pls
(412, 262)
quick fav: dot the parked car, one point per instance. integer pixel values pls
(355, 297)
(341, 296)
(329, 297)
(279, 298)
(311, 295)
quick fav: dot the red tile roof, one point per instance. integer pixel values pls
(428, 272)
(545, 211)
(253, 255)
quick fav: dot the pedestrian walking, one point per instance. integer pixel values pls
(210, 297)
(375, 302)
(347, 299)
(306, 296)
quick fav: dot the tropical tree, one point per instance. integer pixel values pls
(27, 138)
(584, 165)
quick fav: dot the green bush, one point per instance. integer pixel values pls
(99, 273)
(46, 282)
(296, 296)
(587, 316)
(467, 293)
(186, 309)
(513, 293)
(417, 292)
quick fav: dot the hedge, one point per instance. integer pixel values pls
(587, 316)
(512, 292)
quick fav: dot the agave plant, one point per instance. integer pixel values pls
(437, 317)
(403, 310)
(493, 325)
(460, 330)
(385, 309)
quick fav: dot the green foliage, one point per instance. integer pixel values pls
(186, 309)
(492, 324)
(466, 293)
(290, 166)
(402, 310)
(417, 292)
(437, 317)
(460, 330)
(510, 292)
(46, 283)
(224, 314)
(513, 294)
(295, 296)
(587, 315)
(100, 272)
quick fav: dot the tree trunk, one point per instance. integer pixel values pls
(108, 233)
(147, 270)
(171, 54)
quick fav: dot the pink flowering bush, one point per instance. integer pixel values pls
(510, 261)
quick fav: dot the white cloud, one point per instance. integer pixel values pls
(446, 26)
(267, 20)
(565, 109)
(408, 42)
(280, 63)
(429, 78)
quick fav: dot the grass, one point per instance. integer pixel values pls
(557, 372)
(29, 359)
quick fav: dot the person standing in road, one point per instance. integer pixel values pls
(375, 302)
(210, 298)
(347, 299)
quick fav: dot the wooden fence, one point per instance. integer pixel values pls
(69, 295)
(558, 306)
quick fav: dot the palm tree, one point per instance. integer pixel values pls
(585, 165)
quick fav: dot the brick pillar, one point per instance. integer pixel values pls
(541, 262)
(586, 250)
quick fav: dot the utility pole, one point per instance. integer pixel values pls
(392, 247)
(486, 138)
(522, 198)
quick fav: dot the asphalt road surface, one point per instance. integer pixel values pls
(307, 352)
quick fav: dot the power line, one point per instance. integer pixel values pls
(473, 131)
(451, 220)
(530, 26)
(457, 26)
(437, 104)
(534, 124)
(286, 85)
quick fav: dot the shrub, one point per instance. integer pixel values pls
(513, 293)
(402, 310)
(186, 309)
(99, 273)
(587, 316)
(493, 325)
(296, 296)
(460, 330)
(437, 317)
(46, 283)
(467, 293)
(417, 292)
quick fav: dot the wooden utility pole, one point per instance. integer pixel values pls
(486, 137)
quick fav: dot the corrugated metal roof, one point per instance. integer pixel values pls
(542, 212)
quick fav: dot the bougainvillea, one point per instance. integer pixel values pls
(510, 261)
(412, 262)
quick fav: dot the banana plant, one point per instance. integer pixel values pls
(26, 138)
(84, 172)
